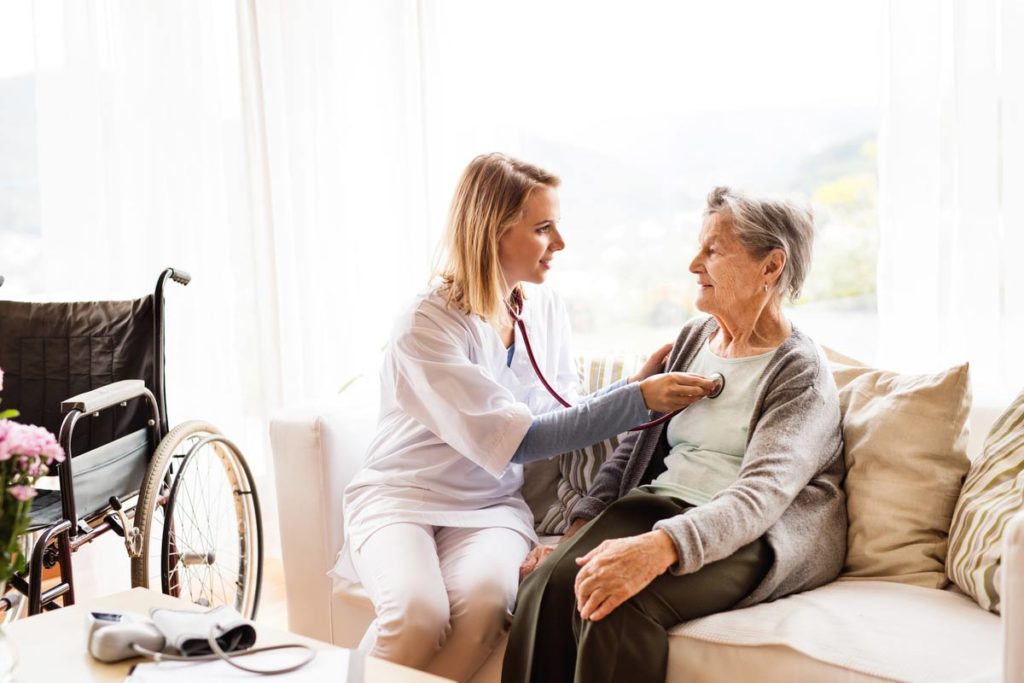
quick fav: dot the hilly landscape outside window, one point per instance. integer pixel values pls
(632, 224)
(642, 111)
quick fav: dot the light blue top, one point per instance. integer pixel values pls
(708, 439)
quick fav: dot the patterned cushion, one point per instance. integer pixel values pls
(577, 469)
(992, 494)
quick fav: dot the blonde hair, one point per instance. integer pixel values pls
(488, 200)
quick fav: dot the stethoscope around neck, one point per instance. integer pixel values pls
(514, 310)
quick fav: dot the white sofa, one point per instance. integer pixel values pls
(845, 631)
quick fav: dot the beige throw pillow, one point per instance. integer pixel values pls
(906, 457)
(992, 495)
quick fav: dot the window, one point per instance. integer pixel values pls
(20, 233)
(642, 110)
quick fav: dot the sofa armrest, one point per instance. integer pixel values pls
(1013, 600)
(317, 450)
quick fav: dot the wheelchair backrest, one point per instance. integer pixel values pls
(52, 351)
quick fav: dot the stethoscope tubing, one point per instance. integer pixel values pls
(551, 390)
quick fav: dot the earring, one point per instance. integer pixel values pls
(766, 288)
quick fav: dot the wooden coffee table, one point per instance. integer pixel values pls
(52, 647)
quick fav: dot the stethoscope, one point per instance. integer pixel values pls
(718, 378)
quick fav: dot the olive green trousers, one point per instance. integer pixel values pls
(548, 640)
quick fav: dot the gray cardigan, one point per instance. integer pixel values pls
(789, 486)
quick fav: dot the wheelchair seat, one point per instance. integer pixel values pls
(46, 509)
(113, 469)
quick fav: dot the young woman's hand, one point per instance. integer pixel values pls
(540, 553)
(533, 560)
(655, 364)
(674, 390)
(573, 528)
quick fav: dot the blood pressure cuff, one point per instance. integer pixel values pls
(189, 632)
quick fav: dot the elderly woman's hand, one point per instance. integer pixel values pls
(618, 569)
(655, 364)
(674, 390)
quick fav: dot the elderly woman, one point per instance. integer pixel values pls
(733, 502)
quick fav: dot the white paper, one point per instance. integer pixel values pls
(331, 665)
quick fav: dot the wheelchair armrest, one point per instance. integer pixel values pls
(105, 396)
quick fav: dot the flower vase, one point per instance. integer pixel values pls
(8, 660)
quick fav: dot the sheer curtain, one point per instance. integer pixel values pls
(343, 130)
(275, 150)
(142, 165)
(951, 169)
(141, 139)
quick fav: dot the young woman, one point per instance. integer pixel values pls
(436, 525)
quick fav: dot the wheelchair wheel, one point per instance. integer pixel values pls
(199, 518)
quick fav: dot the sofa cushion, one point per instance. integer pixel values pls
(881, 629)
(906, 440)
(850, 631)
(991, 495)
(577, 469)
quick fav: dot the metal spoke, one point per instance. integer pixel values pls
(210, 524)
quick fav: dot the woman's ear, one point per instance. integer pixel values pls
(774, 263)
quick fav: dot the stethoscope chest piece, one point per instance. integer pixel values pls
(719, 380)
(514, 310)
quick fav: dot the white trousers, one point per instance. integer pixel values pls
(444, 595)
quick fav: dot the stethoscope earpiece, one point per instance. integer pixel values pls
(719, 380)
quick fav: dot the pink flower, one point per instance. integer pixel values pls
(22, 492)
(6, 442)
(34, 445)
(1, 379)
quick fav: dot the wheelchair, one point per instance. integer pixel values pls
(183, 499)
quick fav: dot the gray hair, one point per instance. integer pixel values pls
(762, 225)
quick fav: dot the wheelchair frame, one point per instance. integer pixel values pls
(56, 543)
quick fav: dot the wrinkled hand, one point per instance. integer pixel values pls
(674, 390)
(533, 559)
(618, 569)
(655, 364)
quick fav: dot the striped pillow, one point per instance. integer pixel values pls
(991, 495)
(578, 468)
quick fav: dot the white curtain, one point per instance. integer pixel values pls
(141, 143)
(142, 136)
(951, 169)
(273, 149)
(344, 150)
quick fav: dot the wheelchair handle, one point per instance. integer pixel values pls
(179, 276)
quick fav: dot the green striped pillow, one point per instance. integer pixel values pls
(577, 469)
(992, 493)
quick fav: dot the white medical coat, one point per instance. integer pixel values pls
(452, 415)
